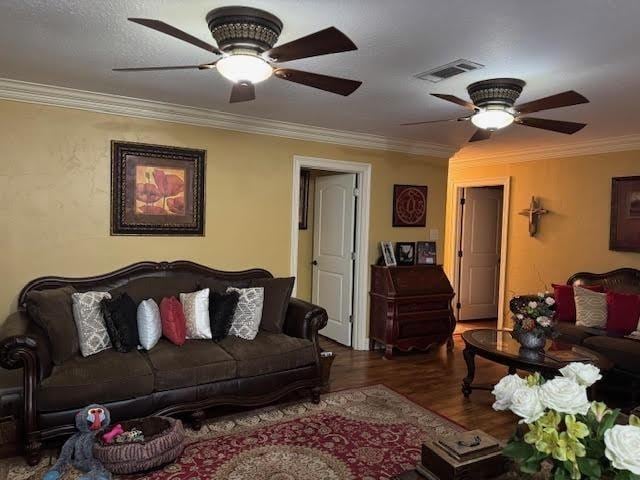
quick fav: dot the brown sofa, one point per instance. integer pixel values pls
(623, 352)
(168, 379)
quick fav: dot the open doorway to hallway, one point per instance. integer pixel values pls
(329, 243)
(479, 251)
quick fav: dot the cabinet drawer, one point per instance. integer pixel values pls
(423, 305)
(417, 327)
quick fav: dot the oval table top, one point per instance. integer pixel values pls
(500, 345)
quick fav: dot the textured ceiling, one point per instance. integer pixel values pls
(554, 45)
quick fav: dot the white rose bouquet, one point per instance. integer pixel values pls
(565, 435)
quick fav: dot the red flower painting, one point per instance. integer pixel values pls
(160, 191)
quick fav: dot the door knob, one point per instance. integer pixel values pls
(315, 262)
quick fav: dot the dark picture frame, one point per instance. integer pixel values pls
(406, 253)
(426, 253)
(303, 207)
(410, 205)
(157, 190)
(625, 214)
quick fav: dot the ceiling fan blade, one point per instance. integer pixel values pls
(461, 119)
(341, 86)
(242, 92)
(480, 135)
(181, 67)
(454, 99)
(554, 125)
(329, 40)
(175, 32)
(564, 99)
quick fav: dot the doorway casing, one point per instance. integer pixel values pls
(455, 227)
(361, 271)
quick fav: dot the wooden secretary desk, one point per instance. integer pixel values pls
(410, 307)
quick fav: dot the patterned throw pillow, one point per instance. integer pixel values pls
(196, 313)
(591, 308)
(149, 323)
(248, 314)
(92, 332)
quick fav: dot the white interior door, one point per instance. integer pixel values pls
(333, 247)
(480, 262)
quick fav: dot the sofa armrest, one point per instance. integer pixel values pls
(24, 345)
(304, 320)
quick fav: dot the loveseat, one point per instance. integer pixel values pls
(623, 352)
(168, 379)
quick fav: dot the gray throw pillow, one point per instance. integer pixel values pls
(248, 314)
(149, 323)
(92, 332)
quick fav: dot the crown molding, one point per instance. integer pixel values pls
(588, 147)
(20, 91)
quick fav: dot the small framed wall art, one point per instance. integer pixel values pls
(387, 254)
(410, 205)
(426, 253)
(625, 214)
(156, 190)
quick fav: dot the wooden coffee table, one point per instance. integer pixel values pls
(498, 346)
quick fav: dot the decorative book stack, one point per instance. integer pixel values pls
(466, 456)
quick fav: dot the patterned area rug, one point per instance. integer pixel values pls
(369, 433)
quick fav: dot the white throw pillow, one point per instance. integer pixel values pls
(248, 314)
(591, 308)
(92, 332)
(196, 313)
(149, 323)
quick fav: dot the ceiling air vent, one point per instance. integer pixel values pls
(449, 70)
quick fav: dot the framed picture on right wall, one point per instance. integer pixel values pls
(625, 214)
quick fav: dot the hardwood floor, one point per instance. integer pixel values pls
(432, 380)
(470, 325)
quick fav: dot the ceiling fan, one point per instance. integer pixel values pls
(492, 102)
(246, 37)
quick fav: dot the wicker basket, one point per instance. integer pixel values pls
(164, 442)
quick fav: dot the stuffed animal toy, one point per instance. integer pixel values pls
(78, 450)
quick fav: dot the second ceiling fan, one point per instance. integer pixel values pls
(246, 37)
(493, 106)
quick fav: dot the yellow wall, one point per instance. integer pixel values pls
(574, 236)
(54, 195)
(305, 249)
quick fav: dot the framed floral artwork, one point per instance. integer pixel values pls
(409, 205)
(156, 190)
(625, 214)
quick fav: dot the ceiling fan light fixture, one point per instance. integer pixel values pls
(244, 67)
(492, 119)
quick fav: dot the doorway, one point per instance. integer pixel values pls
(479, 252)
(330, 257)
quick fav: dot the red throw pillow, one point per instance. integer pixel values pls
(623, 312)
(566, 303)
(174, 325)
